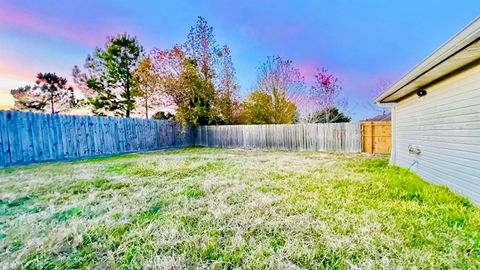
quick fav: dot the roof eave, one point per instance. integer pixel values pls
(465, 38)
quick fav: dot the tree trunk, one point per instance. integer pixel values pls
(146, 108)
(127, 91)
(52, 103)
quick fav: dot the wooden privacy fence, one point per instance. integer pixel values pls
(27, 137)
(337, 137)
(377, 137)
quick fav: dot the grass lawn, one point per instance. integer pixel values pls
(224, 209)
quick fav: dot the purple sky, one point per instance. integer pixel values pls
(362, 42)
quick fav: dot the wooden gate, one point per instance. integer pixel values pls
(377, 137)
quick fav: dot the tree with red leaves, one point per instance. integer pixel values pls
(326, 94)
(169, 66)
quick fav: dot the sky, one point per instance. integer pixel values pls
(361, 42)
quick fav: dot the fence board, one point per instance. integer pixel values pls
(337, 137)
(4, 151)
(34, 137)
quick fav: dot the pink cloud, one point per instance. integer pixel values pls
(8, 69)
(90, 36)
(310, 67)
(308, 70)
(12, 77)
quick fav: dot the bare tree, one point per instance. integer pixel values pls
(80, 80)
(380, 85)
(201, 46)
(284, 83)
(227, 103)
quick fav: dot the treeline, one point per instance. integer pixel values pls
(193, 83)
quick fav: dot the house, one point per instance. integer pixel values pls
(380, 117)
(436, 115)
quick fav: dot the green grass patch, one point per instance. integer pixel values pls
(117, 168)
(204, 208)
(64, 216)
(193, 191)
(110, 158)
(19, 201)
(86, 186)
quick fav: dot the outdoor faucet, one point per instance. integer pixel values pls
(414, 150)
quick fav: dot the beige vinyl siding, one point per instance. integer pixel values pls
(445, 126)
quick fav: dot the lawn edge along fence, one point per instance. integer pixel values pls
(27, 137)
(331, 137)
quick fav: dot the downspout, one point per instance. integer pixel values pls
(393, 149)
